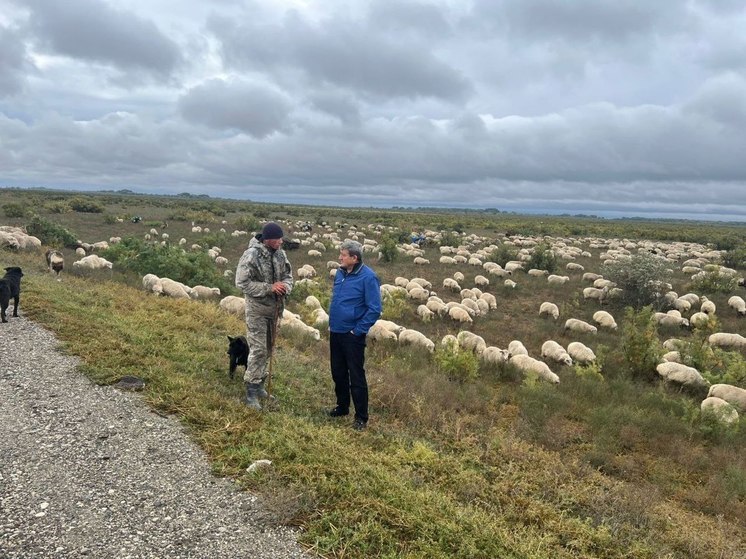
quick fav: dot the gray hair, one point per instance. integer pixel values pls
(353, 248)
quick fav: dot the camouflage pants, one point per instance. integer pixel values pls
(259, 330)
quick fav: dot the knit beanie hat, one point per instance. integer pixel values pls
(271, 231)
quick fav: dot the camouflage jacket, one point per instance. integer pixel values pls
(257, 270)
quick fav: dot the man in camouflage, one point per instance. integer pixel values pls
(266, 278)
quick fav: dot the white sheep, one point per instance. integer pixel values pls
(489, 298)
(450, 342)
(481, 281)
(202, 292)
(516, 347)
(459, 314)
(320, 317)
(604, 320)
(312, 302)
(699, 319)
(707, 307)
(673, 344)
(422, 282)
(595, 293)
(417, 339)
(549, 309)
(554, 279)
(233, 305)
(734, 395)
(681, 374)
(80, 251)
(721, 409)
(418, 294)
(92, 262)
(552, 350)
(591, 277)
(682, 305)
(574, 267)
(436, 306)
(471, 342)
(725, 339)
(418, 260)
(510, 283)
(669, 320)
(737, 304)
(332, 265)
(401, 282)
(379, 333)
(534, 272)
(425, 313)
(458, 276)
(577, 325)
(692, 298)
(152, 283)
(673, 355)
(294, 323)
(314, 253)
(390, 326)
(471, 305)
(221, 261)
(175, 289)
(527, 364)
(494, 355)
(580, 352)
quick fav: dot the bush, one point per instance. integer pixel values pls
(543, 258)
(14, 210)
(736, 257)
(86, 205)
(460, 366)
(641, 348)
(387, 246)
(58, 207)
(321, 291)
(248, 223)
(50, 233)
(639, 278)
(503, 255)
(449, 238)
(714, 282)
(395, 306)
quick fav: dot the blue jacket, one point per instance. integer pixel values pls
(356, 301)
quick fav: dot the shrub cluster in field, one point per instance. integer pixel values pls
(12, 209)
(714, 281)
(640, 278)
(50, 233)
(543, 258)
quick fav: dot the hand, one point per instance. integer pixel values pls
(279, 288)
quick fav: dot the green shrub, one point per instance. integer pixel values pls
(248, 223)
(86, 205)
(460, 366)
(322, 292)
(503, 254)
(714, 282)
(641, 349)
(449, 238)
(12, 209)
(387, 246)
(543, 258)
(58, 207)
(395, 306)
(640, 279)
(736, 257)
(50, 233)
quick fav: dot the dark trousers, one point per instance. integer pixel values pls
(347, 356)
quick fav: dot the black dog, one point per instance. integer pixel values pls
(238, 351)
(10, 287)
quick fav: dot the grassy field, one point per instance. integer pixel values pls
(496, 466)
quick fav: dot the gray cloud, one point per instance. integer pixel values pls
(13, 62)
(255, 109)
(95, 31)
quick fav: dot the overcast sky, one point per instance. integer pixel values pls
(631, 107)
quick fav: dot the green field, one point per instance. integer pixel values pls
(609, 463)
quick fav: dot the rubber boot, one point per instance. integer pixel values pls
(263, 394)
(252, 393)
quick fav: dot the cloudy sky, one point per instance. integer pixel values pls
(612, 107)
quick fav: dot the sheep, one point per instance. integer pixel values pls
(425, 313)
(673, 355)
(320, 317)
(447, 260)
(458, 276)
(581, 353)
(494, 355)
(332, 265)
(100, 245)
(577, 325)
(436, 306)
(468, 294)
(422, 282)
(417, 339)
(682, 305)
(80, 251)
(92, 262)
(294, 323)
(221, 261)
(549, 309)
(556, 352)
(379, 333)
(673, 344)
(314, 253)
(668, 320)
(305, 273)
(418, 260)
(724, 339)
(681, 374)
(574, 267)
(471, 305)
(595, 293)
(600, 283)
(721, 409)
(152, 283)
(699, 319)
(510, 283)
(202, 292)
(737, 304)
(734, 395)
(707, 307)
(489, 298)
(459, 314)
(312, 302)
(481, 281)
(693, 298)
(390, 326)
(604, 320)
(400, 281)
(517, 348)
(175, 289)
(418, 294)
(528, 364)
(55, 261)
(471, 342)
(554, 279)
(534, 272)
(333, 273)
(233, 305)
(483, 307)
(311, 271)
(450, 342)
(591, 277)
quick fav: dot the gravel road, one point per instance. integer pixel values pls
(89, 471)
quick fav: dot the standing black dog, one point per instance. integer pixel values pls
(238, 351)
(10, 287)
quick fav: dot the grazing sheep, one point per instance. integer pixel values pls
(699, 319)
(554, 279)
(221, 261)
(92, 262)
(604, 320)
(314, 253)
(152, 283)
(452, 284)
(670, 320)
(312, 302)
(707, 307)
(390, 326)
(468, 294)
(681, 374)
(233, 305)
(80, 251)
(528, 364)
(591, 277)
(55, 262)
(494, 355)
(737, 304)
(734, 395)
(489, 298)
(674, 356)
(471, 342)
(482, 306)
(401, 282)
(175, 289)
(693, 298)
(673, 344)
(574, 267)
(417, 339)
(577, 325)
(556, 352)
(418, 260)
(100, 245)
(379, 333)
(595, 293)
(459, 314)
(721, 409)
(481, 281)
(292, 322)
(517, 348)
(332, 265)
(682, 305)
(436, 306)
(422, 282)
(202, 292)
(725, 339)
(320, 317)
(458, 276)
(425, 313)
(549, 309)
(510, 283)
(418, 294)
(446, 260)
(534, 272)
(450, 342)
(580, 353)
(471, 305)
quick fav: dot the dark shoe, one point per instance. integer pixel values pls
(262, 392)
(359, 425)
(338, 412)
(252, 396)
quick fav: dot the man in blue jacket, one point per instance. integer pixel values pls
(355, 307)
